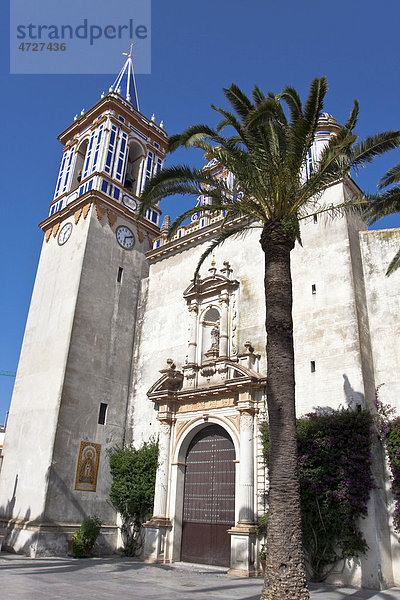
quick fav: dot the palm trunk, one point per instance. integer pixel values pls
(285, 577)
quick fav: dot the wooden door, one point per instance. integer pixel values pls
(209, 498)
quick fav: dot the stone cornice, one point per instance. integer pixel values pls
(199, 235)
(95, 196)
(249, 380)
(186, 241)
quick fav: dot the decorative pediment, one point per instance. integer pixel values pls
(213, 285)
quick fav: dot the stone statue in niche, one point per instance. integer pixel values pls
(215, 337)
(213, 352)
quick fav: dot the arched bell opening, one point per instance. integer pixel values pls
(79, 162)
(136, 155)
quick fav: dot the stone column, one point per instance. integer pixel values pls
(157, 530)
(223, 330)
(243, 535)
(246, 468)
(161, 490)
(192, 351)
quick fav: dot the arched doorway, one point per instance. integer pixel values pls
(209, 498)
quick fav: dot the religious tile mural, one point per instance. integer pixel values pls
(88, 465)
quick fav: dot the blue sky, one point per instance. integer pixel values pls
(197, 49)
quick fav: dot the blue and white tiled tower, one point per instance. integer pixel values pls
(73, 381)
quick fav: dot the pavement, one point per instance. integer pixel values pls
(112, 578)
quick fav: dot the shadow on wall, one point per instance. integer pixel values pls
(12, 532)
(354, 400)
(41, 535)
(57, 483)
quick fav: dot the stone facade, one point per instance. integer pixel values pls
(333, 329)
(121, 344)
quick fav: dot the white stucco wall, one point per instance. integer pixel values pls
(325, 323)
(33, 416)
(77, 353)
(98, 369)
(383, 294)
(383, 301)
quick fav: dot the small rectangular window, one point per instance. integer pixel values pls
(312, 364)
(102, 413)
(315, 218)
(313, 289)
(119, 276)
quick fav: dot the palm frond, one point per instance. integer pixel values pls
(352, 120)
(384, 204)
(315, 102)
(352, 205)
(238, 100)
(191, 136)
(394, 264)
(391, 176)
(265, 161)
(333, 166)
(304, 128)
(258, 95)
(223, 236)
(229, 119)
(292, 99)
(372, 146)
(175, 180)
(263, 113)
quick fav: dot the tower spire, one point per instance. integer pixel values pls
(125, 80)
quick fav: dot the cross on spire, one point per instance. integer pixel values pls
(125, 82)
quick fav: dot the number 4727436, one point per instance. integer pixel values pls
(41, 46)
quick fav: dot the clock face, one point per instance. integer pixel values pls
(64, 233)
(125, 237)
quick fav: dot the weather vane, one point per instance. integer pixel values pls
(129, 54)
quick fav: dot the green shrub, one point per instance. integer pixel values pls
(85, 537)
(132, 490)
(78, 545)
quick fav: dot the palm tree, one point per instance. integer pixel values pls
(387, 203)
(267, 155)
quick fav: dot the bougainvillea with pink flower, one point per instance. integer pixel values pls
(334, 453)
(388, 425)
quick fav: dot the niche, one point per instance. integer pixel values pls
(210, 334)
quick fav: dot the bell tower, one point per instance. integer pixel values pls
(73, 380)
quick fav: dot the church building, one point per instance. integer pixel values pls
(122, 345)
